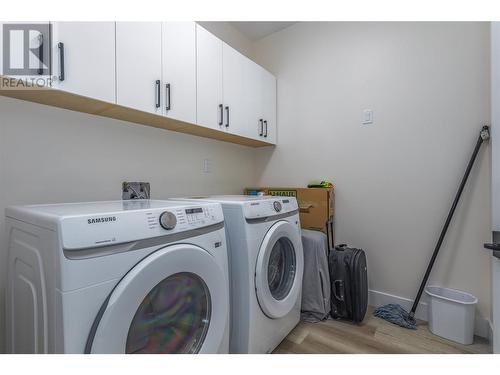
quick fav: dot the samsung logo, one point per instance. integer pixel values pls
(97, 220)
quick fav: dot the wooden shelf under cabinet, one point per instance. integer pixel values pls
(73, 102)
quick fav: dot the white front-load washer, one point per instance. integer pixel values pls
(139, 276)
(265, 267)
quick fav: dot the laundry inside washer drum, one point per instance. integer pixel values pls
(173, 318)
(281, 268)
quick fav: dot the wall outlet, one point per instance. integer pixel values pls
(207, 166)
(367, 117)
(136, 190)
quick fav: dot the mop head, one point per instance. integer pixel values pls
(397, 315)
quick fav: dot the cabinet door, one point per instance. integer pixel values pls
(179, 70)
(209, 79)
(254, 100)
(83, 58)
(236, 96)
(269, 106)
(138, 66)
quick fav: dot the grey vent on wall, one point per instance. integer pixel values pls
(135, 190)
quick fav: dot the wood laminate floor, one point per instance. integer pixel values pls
(373, 336)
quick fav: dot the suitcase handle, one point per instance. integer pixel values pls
(329, 234)
(338, 290)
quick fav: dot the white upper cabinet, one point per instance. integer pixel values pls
(210, 111)
(179, 70)
(254, 99)
(261, 94)
(139, 66)
(83, 58)
(269, 106)
(243, 92)
(235, 88)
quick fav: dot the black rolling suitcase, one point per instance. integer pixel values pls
(349, 283)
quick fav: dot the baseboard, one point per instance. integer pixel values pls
(490, 332)
(376, 298)
(482, 326)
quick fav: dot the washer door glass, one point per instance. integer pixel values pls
(281, 268)
(175, 300)
(173, 318)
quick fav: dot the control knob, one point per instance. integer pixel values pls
(277, 206)
(168, 220)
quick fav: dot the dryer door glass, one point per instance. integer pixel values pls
(173, 318)
(281, 268)
(278, 270)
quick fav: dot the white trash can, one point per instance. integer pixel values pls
(451, 314)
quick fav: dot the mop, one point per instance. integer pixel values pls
(395, 313)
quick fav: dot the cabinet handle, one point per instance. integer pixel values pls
(261, 129)
(492, 246)
(60, 47)
(221, 115)
(265, 123)
(167, 87)
(40, 52)
(157, 93)
(227, 117)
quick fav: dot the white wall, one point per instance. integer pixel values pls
(428, 84)
(229, 34)
(50, 155)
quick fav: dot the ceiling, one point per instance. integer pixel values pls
(258, 30)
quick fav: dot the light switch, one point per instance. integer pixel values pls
(367, 117)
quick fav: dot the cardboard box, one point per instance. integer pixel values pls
(316, 205)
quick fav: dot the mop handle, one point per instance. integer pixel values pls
(483, 136)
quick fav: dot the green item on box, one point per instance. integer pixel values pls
(322, 184)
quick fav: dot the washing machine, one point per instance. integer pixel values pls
(266, 264)
(140, 276)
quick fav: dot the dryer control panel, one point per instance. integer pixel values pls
(268, 207)
(126, 226)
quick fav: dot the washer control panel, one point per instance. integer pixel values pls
(126, 226)
(198, 216)
(184, 218)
